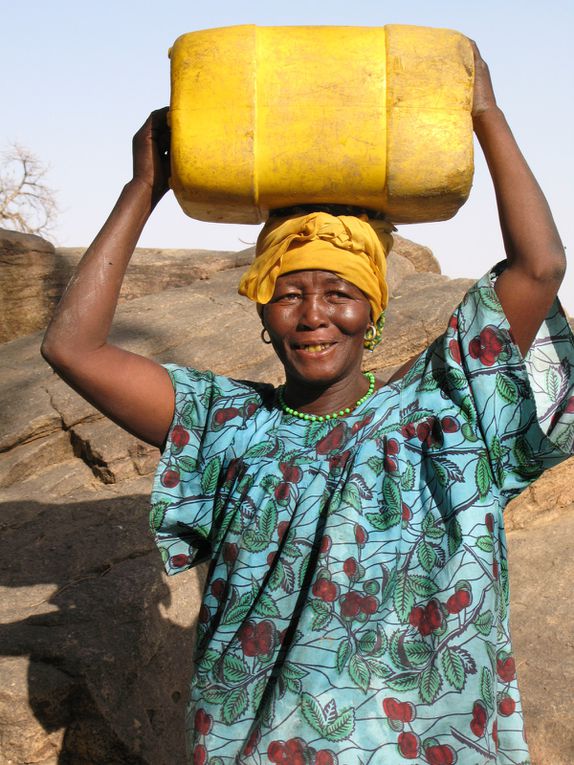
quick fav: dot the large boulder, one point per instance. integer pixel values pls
(34, 274)
(26, 299)
(96, 641)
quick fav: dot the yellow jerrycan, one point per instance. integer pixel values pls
(269, 117)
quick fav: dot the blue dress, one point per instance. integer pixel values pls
(356, 606)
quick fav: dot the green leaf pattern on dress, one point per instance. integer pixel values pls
(356, 605)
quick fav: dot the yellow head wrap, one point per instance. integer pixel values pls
(346, 245)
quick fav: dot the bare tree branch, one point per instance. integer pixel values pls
(27, 204)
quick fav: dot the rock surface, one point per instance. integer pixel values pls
(95, 642)
(26, 262)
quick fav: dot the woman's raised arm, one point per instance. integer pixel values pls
(133, 391)
(535, 254)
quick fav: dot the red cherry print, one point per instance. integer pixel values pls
(434, 614)
(449, 425)
(393, 446)
(350, 567)
(506, 669)
(495, 733)
(440, 755)
(332, 440)
(487, 346)
(203, 614)
(252, 742)
(170, 478)
(326, 590)
(203, 722)
(290, 473)
(427, 619)
(391, 708)
(339, 460)
(325, 544)
(351, 604)
(325, 757)
(179, 436)
(406, 513)
(230, 552)
(495, 569)
(199, 755)
(408, 745)
(218, 588)
(454, 349)
(390, 464)
(271, 558)
(479, 719)
(408, 430)
(281, 529)
(453, 322)
(257, 639)
(416, 616)
(276, 750)
(361, 535)
(369, 605)
(250, 409)
(489, 522)
(474, 347)
(282, 491)
(295, 752)
(180, 560)
(506, 706)
(222, 416)
(458, 601)
(423, 430)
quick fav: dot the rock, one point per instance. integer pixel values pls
(421, 257)
(398, 268)
(33, 276)
(545, 500)
(153, 270)
(109, 639)
(26, 301)
(541, 573)
(27, 412)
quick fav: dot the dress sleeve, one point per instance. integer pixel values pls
(208, 411)
(524, 406)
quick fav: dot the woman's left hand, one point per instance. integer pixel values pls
(483, 98)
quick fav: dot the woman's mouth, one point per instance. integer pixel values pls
(313, 347)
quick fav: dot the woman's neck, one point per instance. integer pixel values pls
(317, 399)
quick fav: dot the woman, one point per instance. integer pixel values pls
(356, 607)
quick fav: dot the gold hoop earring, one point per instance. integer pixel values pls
(263, 331)
(371, 333)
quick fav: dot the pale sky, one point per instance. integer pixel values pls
(79, 78)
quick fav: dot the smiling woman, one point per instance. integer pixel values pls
(356, 604)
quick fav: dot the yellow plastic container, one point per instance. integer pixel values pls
(266, 117)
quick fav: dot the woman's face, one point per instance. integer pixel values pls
(317, 322)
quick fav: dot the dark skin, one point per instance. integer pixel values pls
(317, 322)
(137, 393)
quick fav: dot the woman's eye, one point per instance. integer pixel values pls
(288, 297)
(339, 295)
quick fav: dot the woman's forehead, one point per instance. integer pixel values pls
(313, 276)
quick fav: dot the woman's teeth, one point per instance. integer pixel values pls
(316, 348)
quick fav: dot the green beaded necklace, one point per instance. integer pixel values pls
(325, 417)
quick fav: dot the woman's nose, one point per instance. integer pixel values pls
(314, 312)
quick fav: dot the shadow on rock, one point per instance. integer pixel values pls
(87, 602)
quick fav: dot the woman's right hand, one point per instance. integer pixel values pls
(150, 150)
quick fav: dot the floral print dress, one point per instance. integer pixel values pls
(356, 607)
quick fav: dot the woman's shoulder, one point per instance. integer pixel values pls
(211, 387)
